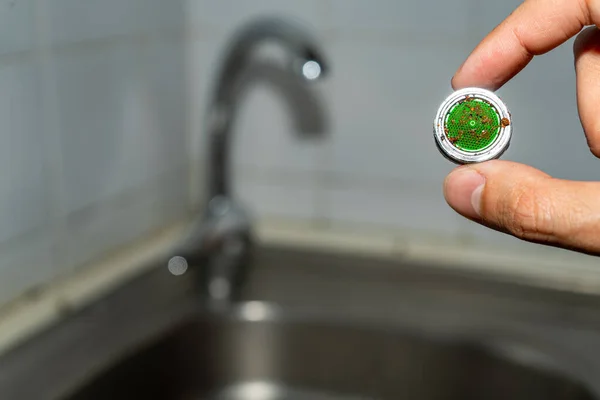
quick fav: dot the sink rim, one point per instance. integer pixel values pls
(147, 315)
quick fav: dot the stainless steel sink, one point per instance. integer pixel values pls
(253, 354)
(316, 325)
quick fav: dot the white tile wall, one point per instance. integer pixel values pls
(96, 140)
(223, 15)
(82, 20)
(486, 15)
(93, 130)
(276, 199)
(16, 23)
(22, 178)
(548, 134)
(25, 261)
(408, 207)
(408, 18)
(101, 96)
(386, 138)
(122, 120)
(391, 67)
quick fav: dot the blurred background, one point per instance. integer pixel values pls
(103, 144)
(102, 108)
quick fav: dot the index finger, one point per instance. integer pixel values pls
(534, 28)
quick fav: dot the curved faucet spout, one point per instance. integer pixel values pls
(224, 232)
(307, 63)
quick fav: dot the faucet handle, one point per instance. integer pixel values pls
(224, 218)
(219, 243)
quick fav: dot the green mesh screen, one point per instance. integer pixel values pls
(472, 125)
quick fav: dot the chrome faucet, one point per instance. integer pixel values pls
(307, 62)
(225, 228)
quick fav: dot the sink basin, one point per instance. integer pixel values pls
(256, 353)
(318, 325)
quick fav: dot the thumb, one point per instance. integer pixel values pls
(528, 204)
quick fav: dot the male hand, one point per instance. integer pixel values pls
(515, 198)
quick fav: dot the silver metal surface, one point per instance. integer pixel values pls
(298, 361)
(319, 326)
(227, 356)
(304, 52)
(494, 150)
(263, 390)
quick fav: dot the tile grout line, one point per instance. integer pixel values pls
(85, 45)
(330, 179)
(53, 152)
(195, 121)
(203, 31)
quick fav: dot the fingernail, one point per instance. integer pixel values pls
(476, 198)
(463, 189)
